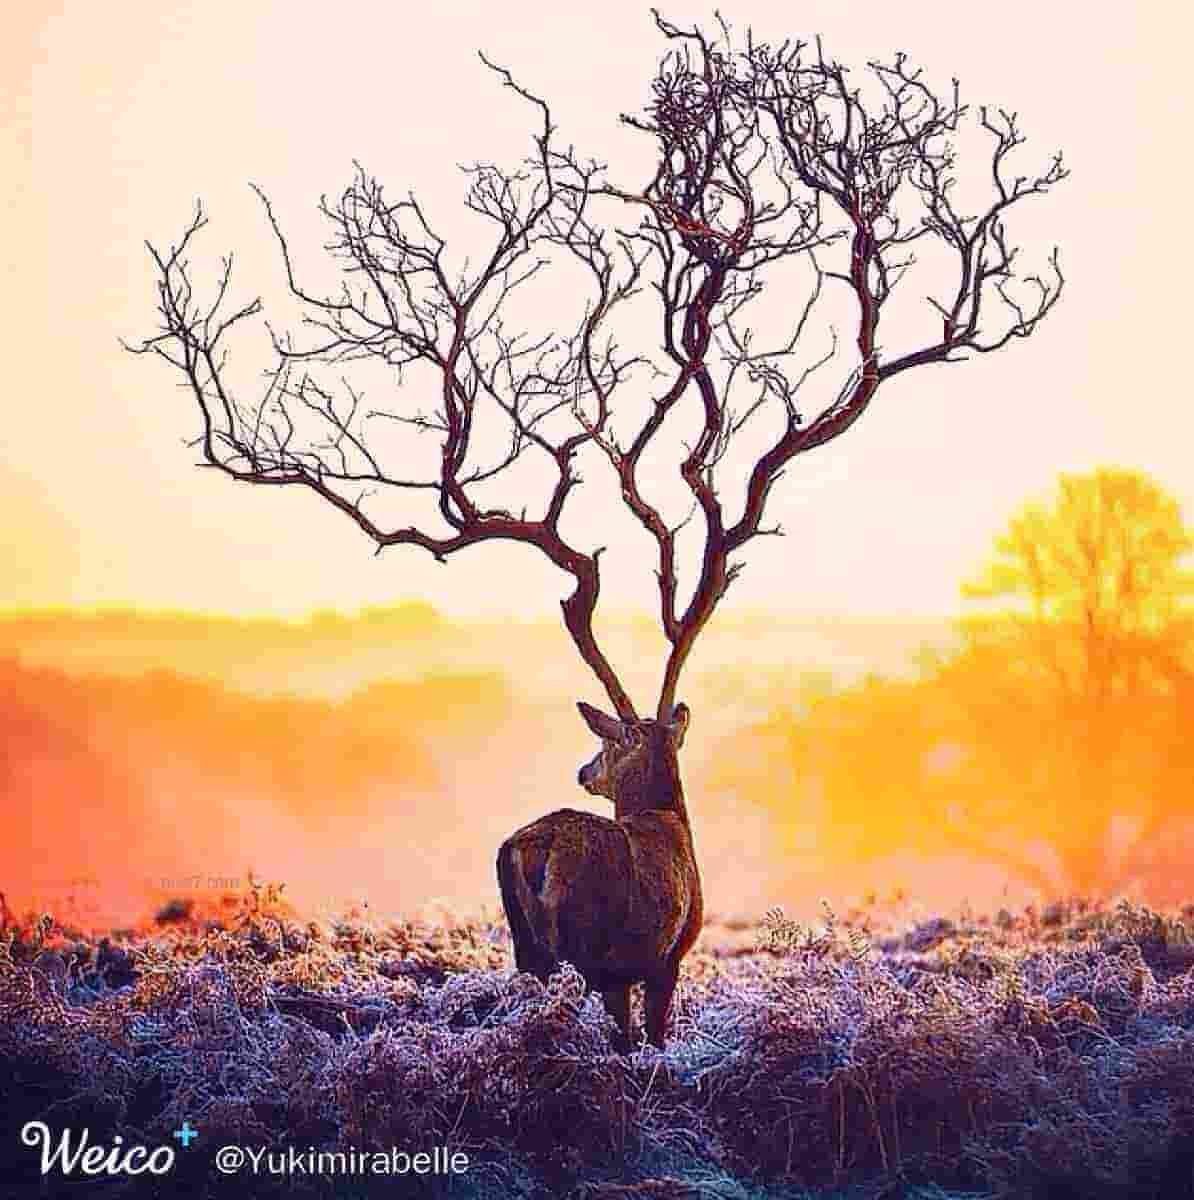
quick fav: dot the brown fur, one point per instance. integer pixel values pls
(620, 899)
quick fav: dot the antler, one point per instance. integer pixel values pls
(710, 228)
(712, 212)
(754, 148)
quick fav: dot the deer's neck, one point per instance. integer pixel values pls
(658, 788)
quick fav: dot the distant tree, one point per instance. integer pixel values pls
(1055, 743)
(1100, 596)
(1078, 690)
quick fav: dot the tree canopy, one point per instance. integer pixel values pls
(1098, 585)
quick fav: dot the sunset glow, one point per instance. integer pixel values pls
(158, 614)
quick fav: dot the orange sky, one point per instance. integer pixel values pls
(124, 114)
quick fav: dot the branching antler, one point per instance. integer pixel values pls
(830, 149)
(715, 213)
(762, 155)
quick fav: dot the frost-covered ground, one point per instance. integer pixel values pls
(1031, 1054)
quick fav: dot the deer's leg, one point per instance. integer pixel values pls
(530, 957)
(658, 995)
(617, 1004)
(526, 957)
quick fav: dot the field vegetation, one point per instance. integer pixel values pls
(1037, 1053)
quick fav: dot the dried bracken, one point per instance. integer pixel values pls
(1020, 1058)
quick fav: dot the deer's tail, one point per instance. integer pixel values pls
(524, 909)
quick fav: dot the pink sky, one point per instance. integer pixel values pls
(124, 114)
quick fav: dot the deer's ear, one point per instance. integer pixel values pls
(604, 726)
(678, 726)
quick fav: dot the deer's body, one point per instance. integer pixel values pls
(619, 899)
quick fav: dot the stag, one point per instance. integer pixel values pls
(620, 899)
(764, 157)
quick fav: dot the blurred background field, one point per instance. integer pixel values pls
(385, 754)
(1037, 746)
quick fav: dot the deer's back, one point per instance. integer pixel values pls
(619, 899)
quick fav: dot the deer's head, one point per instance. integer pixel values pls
(636, 766)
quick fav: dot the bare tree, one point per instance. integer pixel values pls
(763, 156)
